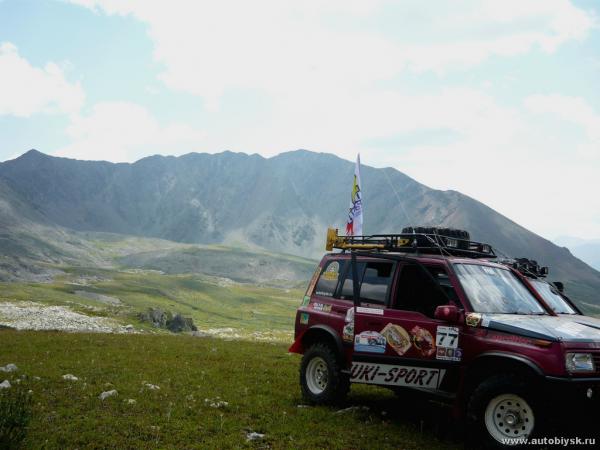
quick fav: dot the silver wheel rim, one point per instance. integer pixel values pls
(508, 416)
(317, 375)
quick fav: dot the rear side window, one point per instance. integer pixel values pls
(328, 281)
(347, 288)
(376, 282)
(374, 279)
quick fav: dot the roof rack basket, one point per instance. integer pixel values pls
(428, 243)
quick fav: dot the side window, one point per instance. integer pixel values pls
(444, 281)
(418, 292)
(376, 282)
(374, 279)
(328, 281)
(347, 287)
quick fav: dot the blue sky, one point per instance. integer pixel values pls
(498, 100)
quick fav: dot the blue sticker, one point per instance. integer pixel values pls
(369, 342)
(304, 318)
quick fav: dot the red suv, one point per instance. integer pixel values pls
(428, 310)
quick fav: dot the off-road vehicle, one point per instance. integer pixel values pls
(429, 310)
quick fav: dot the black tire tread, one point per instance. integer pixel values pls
(337, 390)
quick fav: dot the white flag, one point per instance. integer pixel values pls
(355, 214)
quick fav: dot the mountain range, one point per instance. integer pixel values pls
(49, 206)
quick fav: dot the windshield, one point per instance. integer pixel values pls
(496, 290)
(552, 297)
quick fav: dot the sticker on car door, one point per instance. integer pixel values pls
(386, 374)
(446, 337)
(370, 342)
(423, 341)
(446, 342)
(397, 338)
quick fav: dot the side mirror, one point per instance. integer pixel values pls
(449, 313)
(560, 286)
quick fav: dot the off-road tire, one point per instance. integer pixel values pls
(462, 235)
(451, 232)
(337, 384)
(488, 391)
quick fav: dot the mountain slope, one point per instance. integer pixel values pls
(283, 204)
(29, 246)
(587, 250)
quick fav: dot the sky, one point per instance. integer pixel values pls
(499, 100)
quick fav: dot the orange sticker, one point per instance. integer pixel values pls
(423, 340)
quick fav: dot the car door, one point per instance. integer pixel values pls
(401, 343)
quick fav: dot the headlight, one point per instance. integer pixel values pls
(579, 362)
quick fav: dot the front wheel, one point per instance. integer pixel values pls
(321, 377)
(503, 412)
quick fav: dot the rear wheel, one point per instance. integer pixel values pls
(321, 377)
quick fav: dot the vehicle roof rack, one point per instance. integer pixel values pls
(427, 243)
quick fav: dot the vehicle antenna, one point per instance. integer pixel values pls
(387, 177)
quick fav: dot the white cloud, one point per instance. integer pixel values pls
(517, 160)
(123, 131)
(26, 90)
(277, 46)
(569, 109)
(474, 32)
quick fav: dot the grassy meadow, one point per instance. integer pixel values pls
(213, 303)
(258, 382)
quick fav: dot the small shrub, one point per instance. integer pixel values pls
(15, 413)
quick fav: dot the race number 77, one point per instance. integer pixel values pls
(447, 337)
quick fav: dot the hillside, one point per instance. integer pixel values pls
(282, 204)
(29, 248)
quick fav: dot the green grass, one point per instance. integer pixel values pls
(207, 300)
(258, 380)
